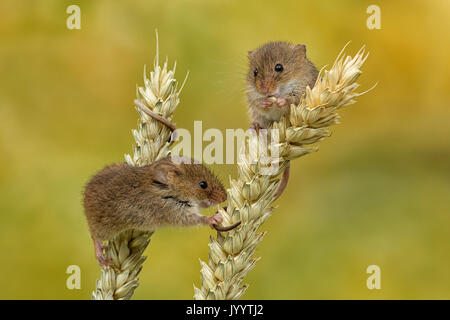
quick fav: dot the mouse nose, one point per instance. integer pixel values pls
(266, 88)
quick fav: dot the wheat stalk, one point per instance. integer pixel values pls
(160, 94)
(251, 194)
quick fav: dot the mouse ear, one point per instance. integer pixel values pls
(250, 54)
(301, 49)
(161, 176)
(163, 169)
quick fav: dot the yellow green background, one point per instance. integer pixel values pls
(377, 192)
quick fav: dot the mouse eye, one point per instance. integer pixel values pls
(278, 68)
(255, 72)
(203, 184)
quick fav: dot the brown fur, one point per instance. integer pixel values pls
(290, 84)
(164, 193)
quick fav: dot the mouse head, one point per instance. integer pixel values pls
(190, 180)
(275, 68)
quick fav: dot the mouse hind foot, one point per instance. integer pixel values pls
(103, 261)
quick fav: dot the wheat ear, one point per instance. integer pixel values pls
(251, 194)
(160, 94)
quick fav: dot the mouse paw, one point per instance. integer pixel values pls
(103, 261)
(215, 219)
(266, 103)
(281, 102)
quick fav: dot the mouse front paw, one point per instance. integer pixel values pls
(281, 102)
(215, 219)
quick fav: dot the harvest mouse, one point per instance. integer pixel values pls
(278, 75)
(168, 192)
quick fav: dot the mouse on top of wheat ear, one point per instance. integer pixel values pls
(168, 192)
(278, 75)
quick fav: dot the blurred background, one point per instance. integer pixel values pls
(377, 192)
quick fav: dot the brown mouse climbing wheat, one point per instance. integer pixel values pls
(168, 192)
(278, 75)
